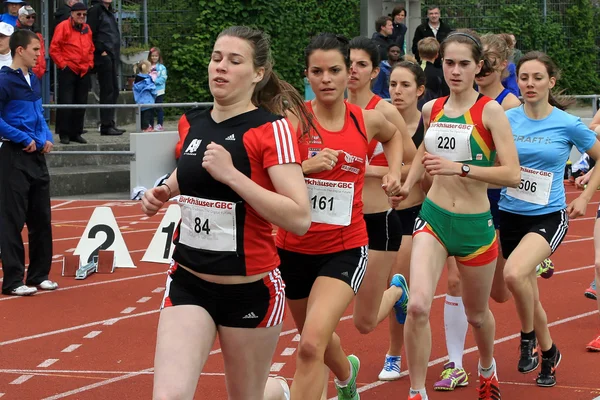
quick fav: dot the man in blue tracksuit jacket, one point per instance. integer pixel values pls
(24, 178)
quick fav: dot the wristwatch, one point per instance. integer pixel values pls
(465, 169)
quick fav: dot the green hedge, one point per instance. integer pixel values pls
(290, 23)
(568, 33)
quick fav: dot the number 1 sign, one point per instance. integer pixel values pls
(161, 247)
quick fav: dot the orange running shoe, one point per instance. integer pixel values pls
(489, 389)
(594, 345)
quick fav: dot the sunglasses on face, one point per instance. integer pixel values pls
(81, 14)
(30, 17)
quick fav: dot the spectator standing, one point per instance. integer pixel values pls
(399, 33)
(6, 31)
(12, 8)
(24, 178)
(510, 82)
(107, 44)
(159, 76)
(435, 84)
(72, 50)
(383, 35)
(144, 92)
(432, 27)
(62, 13)
(381, 86)
(26, 20)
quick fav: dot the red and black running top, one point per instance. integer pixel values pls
(220, 233)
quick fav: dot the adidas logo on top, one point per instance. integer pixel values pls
(230, 137)
(250, 315)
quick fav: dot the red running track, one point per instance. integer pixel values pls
(94, 339)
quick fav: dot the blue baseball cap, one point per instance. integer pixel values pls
(14, 2)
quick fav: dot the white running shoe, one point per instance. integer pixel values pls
(48, 285)
(23, 290)
(285, 386)
(391, 368)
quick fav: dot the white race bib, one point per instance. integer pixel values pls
(207, 224)
(449, 140)
(330, 201)
(534, 188)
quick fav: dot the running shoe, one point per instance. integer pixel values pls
(530, 359)
(349, 392)
(391, 368)
(594, 345)
(590, 292)
(159, 128)
(545, 269)
(48, 285)
(547, 375)
(489, 389)
(451, 378)
(23, 290)
(417, 397)
(401, 306)
(284, 385)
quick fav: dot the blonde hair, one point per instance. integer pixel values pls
(497, 50)
(428, 47)
(143, 67)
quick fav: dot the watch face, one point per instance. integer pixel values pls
(466, 169)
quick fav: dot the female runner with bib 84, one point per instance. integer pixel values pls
(534, 217)
(239, 174)
(462, 133)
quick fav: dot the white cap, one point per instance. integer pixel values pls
(26, 10)
(6, 29)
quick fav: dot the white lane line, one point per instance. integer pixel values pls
(276, 367)
(21, 379)
(288, 351)
(144, 299)
(144, 218)
(1, 394)
(74, 328)
(97, 384)
(79, 237)
(111, 321)
(54, 207)
(158, 290)
(128, 310)
(69, 250)
(57, 256)
(70, 348)
(43, 292)
(473, 349)
(296, 338)
(50, 372)
(92, 334)
(47, 363)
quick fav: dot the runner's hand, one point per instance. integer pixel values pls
(582, 180)
(391, 183)
(436, 165)
(217, 161)
(154, 199)
(47, 147)
(324, 160)
(30, 148)
(402, 194)
(577, 207)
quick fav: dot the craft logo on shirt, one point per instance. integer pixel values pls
(534, 140)
(193, 147)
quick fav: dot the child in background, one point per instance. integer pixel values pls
(144, 92)
(158, 72)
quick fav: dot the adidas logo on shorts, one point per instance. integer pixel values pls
(250, 315)
(230, 137)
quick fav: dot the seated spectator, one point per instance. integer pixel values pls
(12, 8)
(6, 31)
(144, 92)
(72, 50)
(381, 86)
(383, 35)
(26, 20)
(435, 84)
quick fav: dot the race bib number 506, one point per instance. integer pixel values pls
(535, 186)
(207, 224)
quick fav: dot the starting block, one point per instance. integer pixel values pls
(103, 263)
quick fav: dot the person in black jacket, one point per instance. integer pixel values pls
(398, 36)
(383, 35)
(62, 13)
(432, 27)
(107, 43)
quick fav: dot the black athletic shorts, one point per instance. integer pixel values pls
(300, 271)
(384, 230)
(494, 198)
(513, 227)
(259, 304)
(407, 219)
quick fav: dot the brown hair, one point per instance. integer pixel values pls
(471, 39)
(142, 67)
(428, 47)
(497, 50)
(155, 50)
(271, 93)
(397, 10)
(381, 22)
(414, 68)
(557, 100)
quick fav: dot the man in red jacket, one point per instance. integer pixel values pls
(72, 50)
(26, 19)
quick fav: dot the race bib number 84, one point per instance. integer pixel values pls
(207, 224)
(330, 201)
